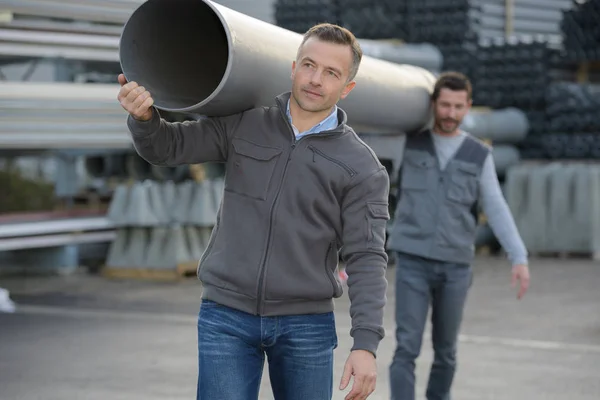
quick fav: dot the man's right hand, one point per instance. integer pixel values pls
(135, 99)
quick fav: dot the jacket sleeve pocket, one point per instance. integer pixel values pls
(377, 217)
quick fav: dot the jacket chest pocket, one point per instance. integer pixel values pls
(251, 168)
(463, 184)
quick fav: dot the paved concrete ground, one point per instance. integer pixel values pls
(84, 337)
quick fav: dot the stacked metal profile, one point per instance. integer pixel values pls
(299, 15)
(61, 116)
(65, 115)
(87, 30)
(516, 74)
(460, 20)
(383, 19)
(457, 27)
(581, 36)
(111, 11)
(572, 125)
(380, 19)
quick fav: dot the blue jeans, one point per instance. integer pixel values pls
(232, 346)
(419, 283)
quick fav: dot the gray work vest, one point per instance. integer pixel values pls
(436, 212)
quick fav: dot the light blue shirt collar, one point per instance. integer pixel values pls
(331, 122)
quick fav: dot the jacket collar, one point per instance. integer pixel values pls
(283, 98)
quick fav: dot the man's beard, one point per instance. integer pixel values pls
(454, 124)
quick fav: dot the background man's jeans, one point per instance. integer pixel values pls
(419, 282)
(232, 346)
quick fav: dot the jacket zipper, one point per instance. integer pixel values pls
(261, 279)
(348, 169)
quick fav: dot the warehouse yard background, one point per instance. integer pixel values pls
(98, 249)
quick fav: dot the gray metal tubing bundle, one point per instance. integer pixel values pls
(424, 55)
(521, 12)
(581, 33)
(508, 125)
(449, 21)
(41, 116)
(74, 46)
(573, 107)
(112, 11)
(43, 25)
(211, 60)
(540, 4)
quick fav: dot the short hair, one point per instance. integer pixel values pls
(332, 33)
(454, 81)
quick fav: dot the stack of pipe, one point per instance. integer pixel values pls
(573, 107)
(299, 15)
(572, 126)
(106, 11)
(383, 19)
(85, 46)
(581, 35)
(446, 20)
(516, 73)
(39, 116)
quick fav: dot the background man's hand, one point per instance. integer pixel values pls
(135, 99)
(362, 365)
(520, 272)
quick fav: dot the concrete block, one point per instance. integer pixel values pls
(202, 210)
(117, 210)
(195, 242)
(129, 248)
(218, 185)
(170, 249)
(556, 206)
(182, 202)
(144, 203)
(527, 194)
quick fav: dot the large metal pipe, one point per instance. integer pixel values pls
(505, 156)
(200, 57)
(508, 125)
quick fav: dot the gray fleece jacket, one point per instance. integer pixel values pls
(289, 206)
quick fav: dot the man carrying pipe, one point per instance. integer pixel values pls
(445, 172)
(299, 186)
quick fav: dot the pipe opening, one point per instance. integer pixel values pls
(177, 49)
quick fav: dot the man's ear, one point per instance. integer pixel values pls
(293, 69)
(347, 89)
